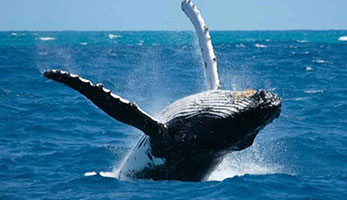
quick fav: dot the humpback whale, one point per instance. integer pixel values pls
(193, 134)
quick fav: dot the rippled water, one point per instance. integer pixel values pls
(52, 137)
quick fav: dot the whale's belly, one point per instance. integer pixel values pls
(139, 159)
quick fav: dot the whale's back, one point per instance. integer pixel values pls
(213, 103)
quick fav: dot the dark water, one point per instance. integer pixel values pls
(50, 135)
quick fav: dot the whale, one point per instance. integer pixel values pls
(191, 136)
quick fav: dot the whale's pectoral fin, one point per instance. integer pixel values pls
(115, 106)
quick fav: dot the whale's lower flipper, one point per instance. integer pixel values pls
(120, 109)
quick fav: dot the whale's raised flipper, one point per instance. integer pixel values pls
(120, 109)
(210, 59)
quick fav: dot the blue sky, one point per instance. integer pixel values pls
(167, 15)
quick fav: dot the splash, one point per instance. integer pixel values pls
(112, 174)
(65, 54)
(250, 161)
(93, 173)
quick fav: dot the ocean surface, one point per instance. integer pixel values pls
(55, 144)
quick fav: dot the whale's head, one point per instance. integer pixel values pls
(221, 120)
(252, 110)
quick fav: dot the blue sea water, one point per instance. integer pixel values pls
(51, 136)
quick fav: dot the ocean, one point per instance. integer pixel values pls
(55, 144)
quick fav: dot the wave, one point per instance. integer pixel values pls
(14, 34)
(113, 36)
(43, 53)
(319, 61)
(309, 68)
(240, 46)
(140, 43)
(302, 41)
(260, 46)
(83, 43)
(343, 38)
(46, 38)
(314, 91)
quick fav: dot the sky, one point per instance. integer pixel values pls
(89, 15)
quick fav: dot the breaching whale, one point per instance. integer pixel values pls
(194, 133)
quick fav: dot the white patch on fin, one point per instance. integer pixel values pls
(100, 85)
(106, 90)
(84, 80)
(73, 75)
(115, 96)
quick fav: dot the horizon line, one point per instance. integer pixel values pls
(217, 30)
